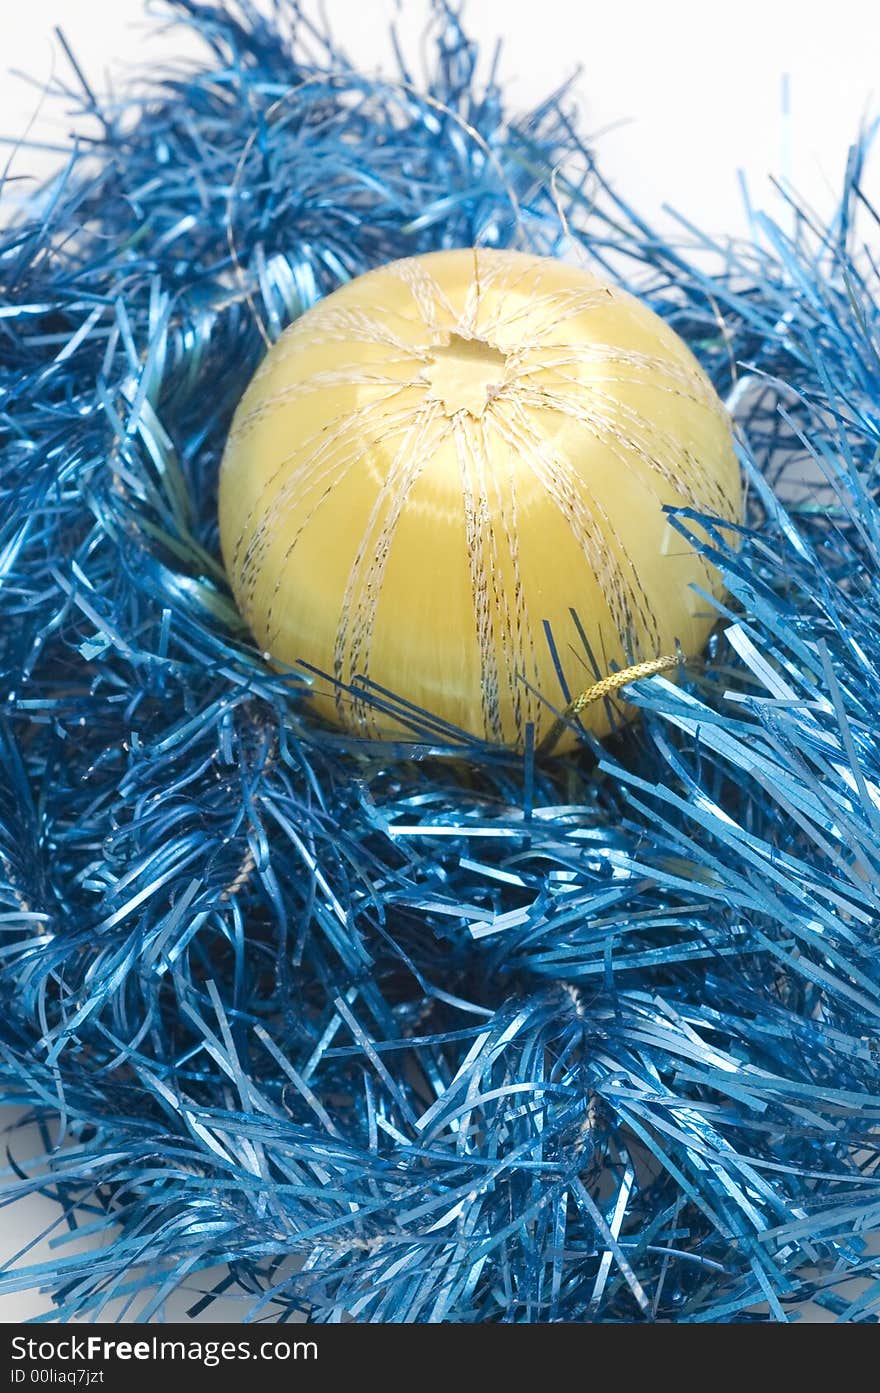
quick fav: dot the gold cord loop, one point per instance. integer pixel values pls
(606, 687)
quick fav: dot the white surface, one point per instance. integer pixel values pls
(686, 91)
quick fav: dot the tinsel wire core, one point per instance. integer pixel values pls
(421, 1032)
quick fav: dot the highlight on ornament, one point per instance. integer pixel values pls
(448, 479)
(352, 967)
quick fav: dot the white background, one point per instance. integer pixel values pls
(680, 94)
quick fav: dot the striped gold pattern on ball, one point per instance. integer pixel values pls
(454, 453)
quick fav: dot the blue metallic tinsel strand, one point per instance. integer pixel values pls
(417, 1033)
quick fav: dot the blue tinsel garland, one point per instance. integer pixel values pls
(390, 1034)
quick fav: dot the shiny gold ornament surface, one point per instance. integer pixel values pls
(454, 454)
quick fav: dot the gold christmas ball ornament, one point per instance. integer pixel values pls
(447, 480)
